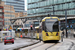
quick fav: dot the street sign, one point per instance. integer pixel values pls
(10, 27)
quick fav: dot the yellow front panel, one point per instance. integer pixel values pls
(52, 36)
(37, 35)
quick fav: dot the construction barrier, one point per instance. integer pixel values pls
(17, 34)
(0, 39)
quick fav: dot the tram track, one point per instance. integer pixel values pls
(51, 46)
(71, 46)
(37, 46)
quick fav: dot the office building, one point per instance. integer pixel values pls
(37, 7)
(19, 22)
(19, 5)
(42, 8)
(20, 14)
(9, 13)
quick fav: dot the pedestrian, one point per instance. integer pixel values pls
(63, 33)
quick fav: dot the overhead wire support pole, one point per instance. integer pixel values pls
(66, 22)
(53, 11)
(46, 12)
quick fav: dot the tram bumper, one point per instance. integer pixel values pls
(52, 38)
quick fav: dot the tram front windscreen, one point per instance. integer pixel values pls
(52, 25)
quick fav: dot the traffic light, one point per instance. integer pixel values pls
(31, 27)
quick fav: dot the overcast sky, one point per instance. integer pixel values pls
(26, 5)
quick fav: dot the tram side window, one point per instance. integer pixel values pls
(43, 24)
(56, 26)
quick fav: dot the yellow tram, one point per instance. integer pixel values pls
(50, 29)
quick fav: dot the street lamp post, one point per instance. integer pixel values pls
(46, 12)
(53, 10)
(66, 22)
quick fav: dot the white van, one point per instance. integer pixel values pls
(3, 34)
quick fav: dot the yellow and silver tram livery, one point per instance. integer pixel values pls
(37, 32)
(50, 29)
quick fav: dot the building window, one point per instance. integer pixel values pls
(0, 10)
(43, 0)
(0, 14)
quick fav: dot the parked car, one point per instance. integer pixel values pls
(8, 39)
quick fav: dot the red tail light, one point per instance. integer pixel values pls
(57, 34)
(47, 34)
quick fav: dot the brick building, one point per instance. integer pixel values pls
(1, 17)
(9, 13)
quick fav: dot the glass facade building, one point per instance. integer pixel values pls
(19, 5)
(37, 7)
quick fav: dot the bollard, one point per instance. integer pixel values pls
(17, 34)
(21, 36)
(62, 37)
(0, 39)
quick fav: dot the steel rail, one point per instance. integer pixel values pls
(51, 46)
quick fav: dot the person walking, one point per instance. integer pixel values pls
(63, 33)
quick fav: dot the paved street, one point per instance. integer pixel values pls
(67, 44)
(18, 43)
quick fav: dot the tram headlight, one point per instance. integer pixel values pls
(47, 34)
(57, 34)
